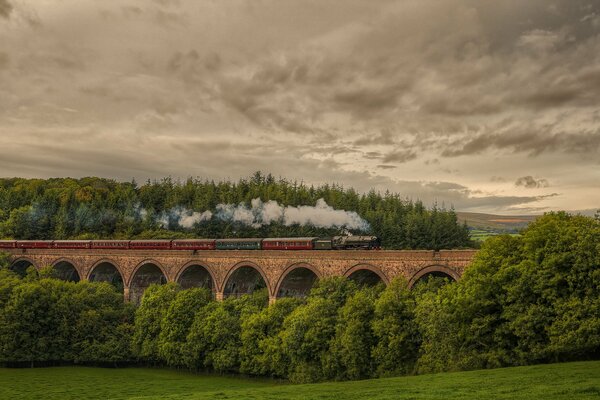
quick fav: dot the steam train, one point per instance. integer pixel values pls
(299, 243)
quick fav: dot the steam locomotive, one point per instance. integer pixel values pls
(299, 243)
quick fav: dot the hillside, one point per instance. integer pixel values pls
(556, 381)
(500, 223)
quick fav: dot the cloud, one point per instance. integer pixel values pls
(530, 182)
(310, 91)
(399, 156)
(532, 142)
(5, 8)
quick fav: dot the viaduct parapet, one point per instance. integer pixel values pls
(236, 272)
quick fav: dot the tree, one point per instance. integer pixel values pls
(350, 353)
(261, 343)
(177, 321)
(395, 330)
(148, 319)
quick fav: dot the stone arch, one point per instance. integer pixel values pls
(21, 264)
(295, 281)
(196, 274)
(366, 274)
(146, 273)
(244, 278)
(106, 270)
(66, 270)
(439, 270)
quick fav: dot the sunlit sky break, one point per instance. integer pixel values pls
(489, 106)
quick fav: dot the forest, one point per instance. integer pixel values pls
(97, 208)
(530, 299)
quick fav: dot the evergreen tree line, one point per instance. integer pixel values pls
(93, 208)
(524, 300)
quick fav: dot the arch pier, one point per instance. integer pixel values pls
(237, 272)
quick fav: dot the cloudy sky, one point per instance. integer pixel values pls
(490, 106)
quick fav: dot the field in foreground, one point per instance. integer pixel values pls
(580, 380)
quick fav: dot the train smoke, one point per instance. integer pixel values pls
(260, 213)
(184, 217)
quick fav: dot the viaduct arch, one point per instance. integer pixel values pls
(232, 273)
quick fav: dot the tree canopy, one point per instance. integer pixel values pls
(89, 208)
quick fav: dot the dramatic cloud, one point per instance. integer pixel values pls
(5, 8)
(530, 182)
(426, 98)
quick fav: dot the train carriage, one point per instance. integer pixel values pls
(8, 244)
(298, 243)
(150, 244)
(239, 244)
(71, 244)
(193, 244)
(110, 244)
(34, 244)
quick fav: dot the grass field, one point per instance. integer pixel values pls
(579, 380)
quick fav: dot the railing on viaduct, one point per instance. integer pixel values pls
(236, 272)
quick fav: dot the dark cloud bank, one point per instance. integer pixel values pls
(426, 98)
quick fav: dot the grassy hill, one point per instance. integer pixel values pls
(482, 225)
(580, 380)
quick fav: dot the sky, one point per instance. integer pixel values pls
(487, 106)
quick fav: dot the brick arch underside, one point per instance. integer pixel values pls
(234, 283)
(25, 262)
(296, 280)
(66, 269)
(196, 274)
(433, 269)
(107, 270)
(362, 268)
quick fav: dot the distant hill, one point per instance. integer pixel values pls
(506, 223)
(483, 225)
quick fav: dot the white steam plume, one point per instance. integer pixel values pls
(184, 217)
(261, 213)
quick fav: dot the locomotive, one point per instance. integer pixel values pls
(298, 243)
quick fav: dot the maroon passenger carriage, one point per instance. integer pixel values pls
(8, 244)
(193, 244)
(34, 244)
(71, 244)
(300, 243)
(150, 244)
(109, 244)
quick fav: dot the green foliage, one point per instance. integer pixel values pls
(306, 336)
(177, 321)
(526, 299)
(92, 208)
(214, 340)
(396, 335)
(350, 353)
(261, 341)
(48, 320)
(534, 298)
(148, 319)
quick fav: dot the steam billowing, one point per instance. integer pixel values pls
(261, 213)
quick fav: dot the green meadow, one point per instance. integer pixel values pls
(578, 380)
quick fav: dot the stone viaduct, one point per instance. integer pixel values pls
(236, 272)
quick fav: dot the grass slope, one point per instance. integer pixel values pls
(580, 380)
(499, 223)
